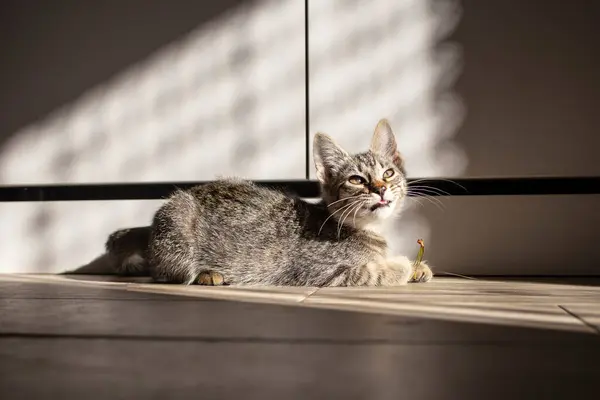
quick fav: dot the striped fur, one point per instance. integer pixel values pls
(234, 232)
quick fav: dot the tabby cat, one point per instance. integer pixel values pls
(235, 232)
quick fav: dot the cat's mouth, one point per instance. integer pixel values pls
(381, 204)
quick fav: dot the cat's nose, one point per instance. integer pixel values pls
(382, 191)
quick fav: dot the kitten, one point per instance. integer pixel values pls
(235, 232)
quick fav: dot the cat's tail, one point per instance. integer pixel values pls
(128, 251)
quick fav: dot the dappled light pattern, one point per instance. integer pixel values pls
(392, 59)
(228, 99)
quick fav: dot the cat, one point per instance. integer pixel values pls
(232, 231)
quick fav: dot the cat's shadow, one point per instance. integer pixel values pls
(100, 265)
(101, 269)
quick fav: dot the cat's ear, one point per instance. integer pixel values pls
(384, 142)
(328, 156)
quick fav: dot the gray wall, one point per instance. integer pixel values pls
(531, 83)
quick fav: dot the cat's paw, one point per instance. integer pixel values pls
(422, 273)
(206, 278)
(211, 278)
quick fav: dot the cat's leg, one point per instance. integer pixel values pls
(400, 270)
(132, 264)
(127, 251)
(395, 271)
(172, 258)
(173, 242)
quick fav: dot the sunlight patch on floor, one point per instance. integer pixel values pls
(522, 304)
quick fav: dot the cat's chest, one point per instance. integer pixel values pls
(365, 244)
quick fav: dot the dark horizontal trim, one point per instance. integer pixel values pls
(128, 191)
(304, 188)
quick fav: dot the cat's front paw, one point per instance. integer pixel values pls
(211, 278)
(208, 278)
(422, 273)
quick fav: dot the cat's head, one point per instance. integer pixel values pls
(362, 188)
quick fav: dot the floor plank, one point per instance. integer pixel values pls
(103, 337)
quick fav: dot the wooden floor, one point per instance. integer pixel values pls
(76, 337)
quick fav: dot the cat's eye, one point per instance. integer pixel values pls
(356, 180)
(389, 173)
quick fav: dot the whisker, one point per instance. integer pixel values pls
(421, 192)
(354, 218)
(394, 187)
(421, 189)
(434, 201)
(425, 193)
(338, 226)
(417, 200)
(438, 179)
(347, 206)
(342, 218)
(432, 189)
(429, 198)
(344, 199)
(458, 275)
(332, 214)
(408, 192)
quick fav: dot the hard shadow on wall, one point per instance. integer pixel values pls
(141, 91)
(53, 53)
